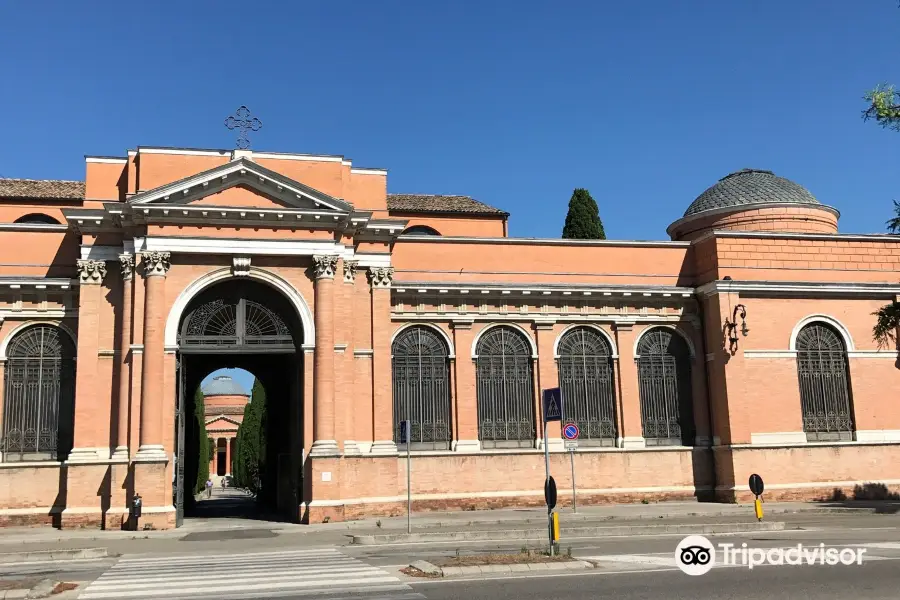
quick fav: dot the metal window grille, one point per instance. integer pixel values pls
(421, 377)
(232, 324)
(824, 384)
(664, 374)
(505, 390)
(39, 398)
(586, 381)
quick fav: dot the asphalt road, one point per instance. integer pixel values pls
(872, 581)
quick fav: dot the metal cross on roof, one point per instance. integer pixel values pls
(242, 121)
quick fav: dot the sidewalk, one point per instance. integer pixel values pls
(214, 520)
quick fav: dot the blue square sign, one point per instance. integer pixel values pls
(552, 405)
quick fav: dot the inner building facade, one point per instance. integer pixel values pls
(742, 344)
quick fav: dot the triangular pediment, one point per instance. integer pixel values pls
(222, 421)
(241, 183)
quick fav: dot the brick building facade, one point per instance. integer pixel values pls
(742, 345)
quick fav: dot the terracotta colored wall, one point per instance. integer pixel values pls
(38, 253)
(105, 181)
(763, 391)
(366, 191)
(813, 472)
(782, 219)
(781, 258)
(324, 176)
(493, 262)
(457, 226)
(29, 487)
(11, 212)
(155, 170)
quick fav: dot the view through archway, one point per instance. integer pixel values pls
(241, 384)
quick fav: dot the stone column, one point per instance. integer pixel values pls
(324, 444)
(228, 456)
(631, 431)
(126, 261)
(89, 444)
(349, 398)
(383, 401)
(156, 265)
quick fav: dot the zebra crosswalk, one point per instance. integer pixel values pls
(319, 573)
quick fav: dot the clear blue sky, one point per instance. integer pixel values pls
(515, 103)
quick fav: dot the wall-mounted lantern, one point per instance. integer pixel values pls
(731, 326)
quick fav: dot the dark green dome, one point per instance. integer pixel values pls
(750, 186)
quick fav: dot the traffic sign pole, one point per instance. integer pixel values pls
(572, 460)
(552, 405)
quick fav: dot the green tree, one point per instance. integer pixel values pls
(583, 220)
(250, 454)
(203, 447)
(884, 108)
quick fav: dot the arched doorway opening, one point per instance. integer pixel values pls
(248, 325)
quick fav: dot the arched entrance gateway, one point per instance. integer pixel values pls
(246, 324)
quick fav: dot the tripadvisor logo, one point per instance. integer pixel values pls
(696, 555)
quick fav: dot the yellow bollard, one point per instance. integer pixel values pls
(759, 511)
(555, 527)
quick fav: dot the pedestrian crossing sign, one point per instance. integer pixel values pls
(552, 405)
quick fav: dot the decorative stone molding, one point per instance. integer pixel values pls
(325, 266)
(126, 263)
(156, 263)
(380, 277)
(350, 268)
(241, 266)
(91, 271)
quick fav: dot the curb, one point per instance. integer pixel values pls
(584, 518)
(430, 569)
(52, 555)
(540, 534)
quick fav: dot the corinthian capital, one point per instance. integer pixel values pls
(325, 266)
(350, 267)
(91, 271)
(126, 262)
(381, 277)
(156, 263)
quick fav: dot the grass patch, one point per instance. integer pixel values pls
(18, 584)
(480, 560)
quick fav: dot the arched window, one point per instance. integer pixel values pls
(38, 218)
(664, 374)
(39, 395)
(505, 389)
(421, 376)
(586, 382)
(420, 230)
(824, 384)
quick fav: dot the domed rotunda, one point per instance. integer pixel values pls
(755, 200)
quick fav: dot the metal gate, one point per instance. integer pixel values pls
(586, 382)
(421, 377)
(39, 399)
(824, 386)
(180, 410)
(665, 382)
(505, 390)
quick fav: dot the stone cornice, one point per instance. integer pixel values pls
(800, 289)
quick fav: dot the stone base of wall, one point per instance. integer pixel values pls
(31, 518)
(351, 510)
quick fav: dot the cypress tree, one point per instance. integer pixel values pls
(203, 445)
(583, 220)
(250, 453)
